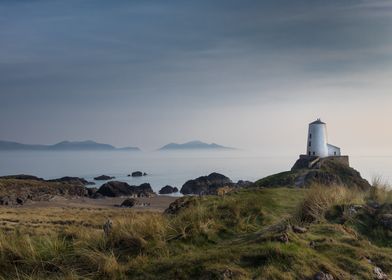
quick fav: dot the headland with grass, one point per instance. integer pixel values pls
(323, 229)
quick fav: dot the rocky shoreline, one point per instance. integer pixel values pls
(19, 189)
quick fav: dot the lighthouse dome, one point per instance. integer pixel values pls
(318, 121)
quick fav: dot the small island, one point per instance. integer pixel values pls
(63, 146)
(194, 145)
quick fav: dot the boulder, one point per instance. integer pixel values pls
(206, 184)
(103, 178)
(91, 191)
(182, 203)
(137, 174)
(116, 188)
(168, 190)
(129, 202)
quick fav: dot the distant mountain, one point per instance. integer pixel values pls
(194, 145)
(63, 146)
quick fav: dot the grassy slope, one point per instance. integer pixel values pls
(234, 236)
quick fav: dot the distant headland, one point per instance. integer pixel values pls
(63, 146)
(194, 145)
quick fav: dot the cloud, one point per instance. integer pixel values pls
(149, 59)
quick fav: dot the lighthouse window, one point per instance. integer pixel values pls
(310, 136)
(310, 144)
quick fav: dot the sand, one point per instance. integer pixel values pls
(157, 203)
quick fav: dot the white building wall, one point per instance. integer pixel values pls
(333, 150)
(317, 140)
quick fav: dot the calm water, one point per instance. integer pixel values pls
(164, 168)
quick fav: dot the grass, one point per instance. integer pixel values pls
(235, 236)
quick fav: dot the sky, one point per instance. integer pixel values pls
(246, 74)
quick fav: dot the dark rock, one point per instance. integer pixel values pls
(129, 202)
(206, 184)
(298, 229)
(144, 174)
(137, 174)
(168, 190)
(129, 175)
(115, 188)
(91, 191)
(70, 180)
(19, 201)
(244, 184)
(5, 200)
(323, 276)
(103, 178)
(182, 203)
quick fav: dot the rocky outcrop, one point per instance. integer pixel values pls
(180, 204)
(72, 180)
(306, 172)
(138, 174)
(244, 184)
(22, 177)
(116, 188)
(206, 184)
(168, 190)
(103, 178)
(128, 203)
(20, 191)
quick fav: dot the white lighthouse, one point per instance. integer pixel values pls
(317, 144)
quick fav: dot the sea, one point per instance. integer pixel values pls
(166, 168)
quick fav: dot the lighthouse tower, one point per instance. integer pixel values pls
(318, 150)
(317, 144)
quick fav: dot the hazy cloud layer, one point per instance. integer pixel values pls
(148, 72)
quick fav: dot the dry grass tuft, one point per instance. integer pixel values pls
(320, 199)
(381, 191)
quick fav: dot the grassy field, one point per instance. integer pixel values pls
(243, 235)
